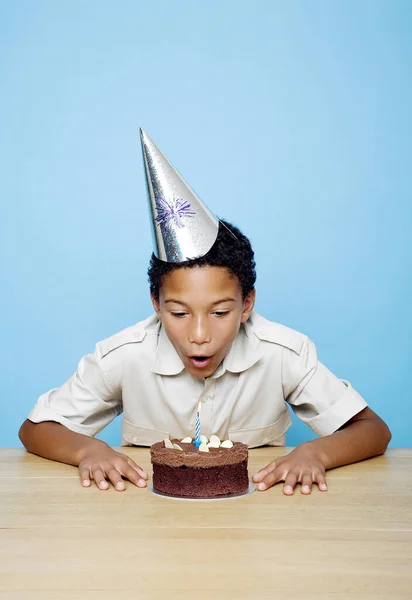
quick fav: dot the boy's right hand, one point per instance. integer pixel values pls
(105, 464)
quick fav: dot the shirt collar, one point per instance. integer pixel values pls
(243, 354)
(167, 361)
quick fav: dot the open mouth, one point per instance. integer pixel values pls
(200, 361)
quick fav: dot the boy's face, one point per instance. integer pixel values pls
(201, 310)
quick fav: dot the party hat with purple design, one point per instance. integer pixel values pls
(182, 226)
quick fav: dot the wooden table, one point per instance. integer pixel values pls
(60, 541)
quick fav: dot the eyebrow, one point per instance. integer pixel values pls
(170, 300)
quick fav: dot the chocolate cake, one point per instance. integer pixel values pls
(180, 468)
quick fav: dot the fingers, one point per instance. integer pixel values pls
(114, 472)
(291, 480)
(134, 475)
(268, 477)
(100, 479)
(306, 481)
(116, 479)
(321, 481)
(137, 468)
(260, 475)
(273, 474)
(85, 476)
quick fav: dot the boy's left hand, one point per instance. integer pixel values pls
(302, 465)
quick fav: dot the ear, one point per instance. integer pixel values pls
(248, 304)
(156, 306)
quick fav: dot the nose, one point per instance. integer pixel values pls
(199, 332)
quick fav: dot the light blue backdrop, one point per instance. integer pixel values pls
(292, 119)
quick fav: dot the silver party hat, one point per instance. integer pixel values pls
(182, 226)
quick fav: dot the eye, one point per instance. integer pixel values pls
(178, 314)
(221, 313)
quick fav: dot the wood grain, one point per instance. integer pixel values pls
(59, 540)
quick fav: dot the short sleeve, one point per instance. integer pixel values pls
(86, 403)
(317, 396)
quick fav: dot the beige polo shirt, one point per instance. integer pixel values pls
(138, 372)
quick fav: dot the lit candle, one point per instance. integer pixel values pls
(197, 441)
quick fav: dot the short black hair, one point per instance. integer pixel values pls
(232, 250)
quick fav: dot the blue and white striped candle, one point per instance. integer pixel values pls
(197, 441)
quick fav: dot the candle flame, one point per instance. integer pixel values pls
(199, 406)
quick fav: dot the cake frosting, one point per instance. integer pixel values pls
(186, 470)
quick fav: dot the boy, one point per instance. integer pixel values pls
(205, 344)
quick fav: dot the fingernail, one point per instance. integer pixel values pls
(323, 486)
(306, 488)
(103, 484)
(142, 482)
(261, 486)
(120, 485)
(288, 488)
(86, 482)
